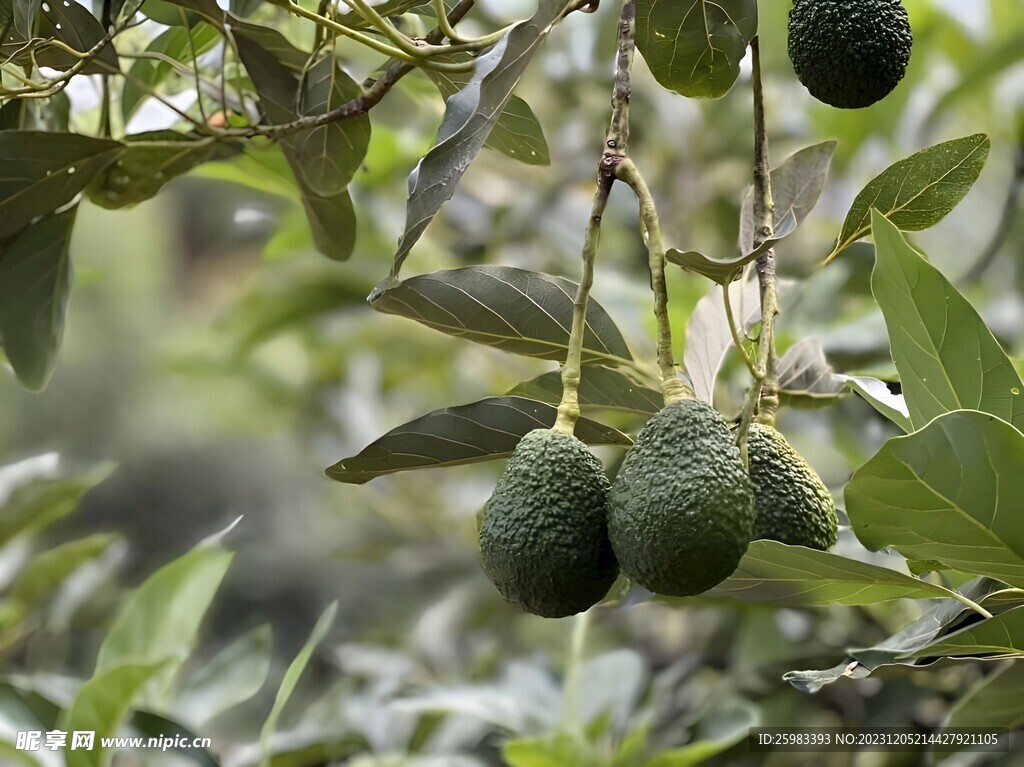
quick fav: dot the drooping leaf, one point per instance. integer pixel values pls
(804, 374)
(1000, 636)
(150, 161)
(514, 310)
(40, 172)
(470, 116)
(877, 394)
(291, 679)
(917, 192)
(726, 270)
(694, 47)
(600, 388)
(947, 357)
(76, 27)
(177, 43)
(796, 186)
(38, 503)
(794, 575)
(708, 339)
(481, 431)
(35, 281)
(101, 705)
(947, 493)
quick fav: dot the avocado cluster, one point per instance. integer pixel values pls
(849, 53)
(544, 533)
(681, 510)
(793, 505)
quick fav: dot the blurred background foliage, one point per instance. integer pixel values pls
(220, 363)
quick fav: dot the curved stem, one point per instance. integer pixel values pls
(731, 319)
(970, 603)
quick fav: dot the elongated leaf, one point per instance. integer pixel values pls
(946, 356)
(517, 133)
(40, 172)
(175, 43)
(151, 160)
(179, 739)
(947, 493)
(49, 569)
(35, 281)
(330, 155)
(726, 270)
(76, 27)
(481, 431)
(694, 47)
(796, 186)
(1002, 635)
(993, 702)
(470, 116)
(291, 678)
(38, 503)
(917, 192)
(161, 618)
(101, 706)
(510, 309)
(794, 575)
(600, 388)
(708, 339)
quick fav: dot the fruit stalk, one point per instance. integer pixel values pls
(616, 139)
(763, 396)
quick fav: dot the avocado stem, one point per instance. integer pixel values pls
(615, 145)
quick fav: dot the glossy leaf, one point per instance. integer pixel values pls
(919, 191)
(102, 704)
(796, 186)
(794, 575)
(40, 172)
(600, 388)
(947, 493)
(481, 431)
(694, 47)
(177, 43)
(726, 270)
(150, 161)
(946, 356)
(470, 116)
(35, 282)
(510, 309)
(73, 24)
(41, 501)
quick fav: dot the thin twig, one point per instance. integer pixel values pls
(731, 319)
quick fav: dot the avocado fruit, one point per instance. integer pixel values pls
(681, 509)
(849, 53)
(543, 532)
(793, 505)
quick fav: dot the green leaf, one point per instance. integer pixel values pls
(481, 431)
(178, 737)
(25, 13)
(330, 155)
(514, 310)
(947, 493)
(160, 620)
(35, 281)
(102, 704)
(600, 388)
(993, 702)
(148, 74)
(877, 394)
(37, 504)
(794, 575)
(291, 678)
(49, 569)
(151, 160)
(76, 27)
(946, 356)
(555, 750)
(719, 729)
(804, 374)
(796, 186)
(726, 270)
(917, 192)
(694, 47)
(232, 676)
(470, 116)
(1001, 635)
(40, 172)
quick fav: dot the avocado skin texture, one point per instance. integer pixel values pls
(681, 510)
(849, 53)
(793, 504)
(543, 533)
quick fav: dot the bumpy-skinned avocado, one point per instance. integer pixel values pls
(681, 510)
(543, 533)
(849, 53)
(793, 504)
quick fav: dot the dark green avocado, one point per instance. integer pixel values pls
(849, 53)
(793, 504)
(681, 510)
(543, 533)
